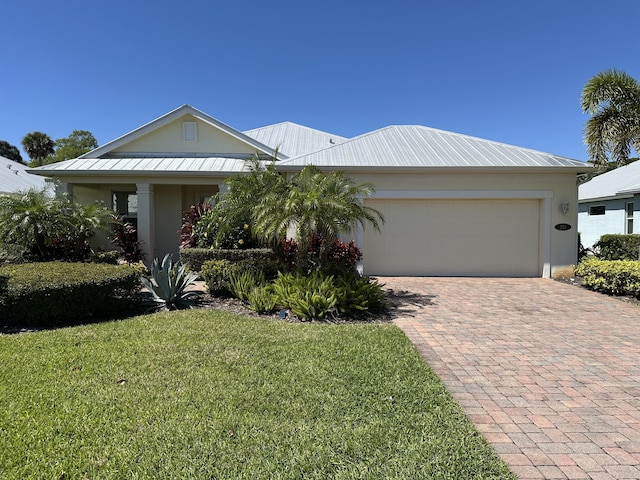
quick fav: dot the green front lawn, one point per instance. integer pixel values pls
(204, 394)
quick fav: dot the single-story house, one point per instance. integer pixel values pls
(454, 204)
(14, 177)
(609, 203)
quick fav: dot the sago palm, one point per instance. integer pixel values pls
(612, 98)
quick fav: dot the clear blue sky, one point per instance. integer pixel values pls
(504, 70)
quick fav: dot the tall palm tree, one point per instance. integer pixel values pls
(38, 146)
(326, 204)
(612, 98)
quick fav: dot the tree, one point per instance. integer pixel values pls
(612, 98)
(10, 151)
(76, 144)
(315, 203)
(38, 146)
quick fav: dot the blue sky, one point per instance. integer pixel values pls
(504, 70)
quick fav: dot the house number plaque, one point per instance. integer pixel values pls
(563, 226)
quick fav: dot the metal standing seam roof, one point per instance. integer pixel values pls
(623, 181)
(14, 177)
(292, 139)
(146, 165)
(418, 146)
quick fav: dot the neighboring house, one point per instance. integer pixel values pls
(15, 178)
(454, 204)
(610, 203)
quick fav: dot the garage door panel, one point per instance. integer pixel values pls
(455, 237)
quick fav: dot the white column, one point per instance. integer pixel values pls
(546, 238)
(146, 220)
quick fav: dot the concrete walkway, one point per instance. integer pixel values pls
(548, 372)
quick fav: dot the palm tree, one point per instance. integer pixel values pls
(612, 98)
(326, 204)
(50, 228)
(38, 146)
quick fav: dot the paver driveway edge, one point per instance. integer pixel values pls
(548, 372)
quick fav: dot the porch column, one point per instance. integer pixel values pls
(546, 238)
(146, 220)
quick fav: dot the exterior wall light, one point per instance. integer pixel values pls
(564, 207)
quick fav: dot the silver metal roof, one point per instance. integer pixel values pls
(418, 146)
(623, 181)
(14, 177)
(292, 139)
(166, 165)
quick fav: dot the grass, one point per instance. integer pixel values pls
(204, 394)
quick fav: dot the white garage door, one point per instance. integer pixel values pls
(455, 238)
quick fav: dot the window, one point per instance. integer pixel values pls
(597, 210)
(126, 204)
(629, 218)
(189, 132)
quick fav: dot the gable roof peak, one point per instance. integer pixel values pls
(174, 114)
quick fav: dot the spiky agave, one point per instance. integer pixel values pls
(168, 282)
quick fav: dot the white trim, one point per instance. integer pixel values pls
(546, 238)
(462, 194)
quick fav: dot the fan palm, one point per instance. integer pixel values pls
(38, 146)
(612, 98)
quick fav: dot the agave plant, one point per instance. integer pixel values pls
(168, 283)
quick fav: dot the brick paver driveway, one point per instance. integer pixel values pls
(549, 372)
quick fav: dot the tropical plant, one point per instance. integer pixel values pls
(229, 224)
(50, 228)
(313, 202)
(612, 98)
(242, 283)
(190, 218)
(38, 146)
(125, 236)
(168, 283)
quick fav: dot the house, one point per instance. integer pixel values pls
(15, 178)
(454, 204)
(609, 203)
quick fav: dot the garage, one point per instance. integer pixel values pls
(455, 237)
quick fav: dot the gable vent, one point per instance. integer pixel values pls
(189, 132)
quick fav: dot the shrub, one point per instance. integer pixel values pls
(190, 218)
(222, 229)
(360, 294)
(339, 258)
(54, 293)
(196, 257)
(618, 247)
(216, 275)
(614, 277)
(309, 297)
(168, 283)
(263, 299)
(125, 236)
(242, 282)
(110, 257)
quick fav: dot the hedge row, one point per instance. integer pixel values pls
(56, 293)
(195, 257)
(618, 247)
(613, 277)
